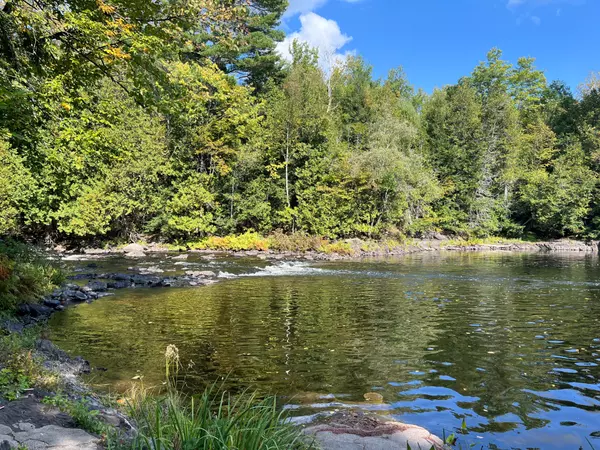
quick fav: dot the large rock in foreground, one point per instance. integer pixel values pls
(358, 431)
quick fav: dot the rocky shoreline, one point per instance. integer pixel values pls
(356, 248)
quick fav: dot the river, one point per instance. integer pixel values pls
(508, 342)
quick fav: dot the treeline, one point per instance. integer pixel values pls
(176, 118)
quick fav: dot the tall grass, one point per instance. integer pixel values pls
(213, 420)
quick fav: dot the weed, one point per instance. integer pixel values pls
(81, 413)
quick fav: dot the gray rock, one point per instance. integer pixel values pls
(98, 286)
(24, 426)
(133, 248)
(72, 287)
(135, 254)
(200, 274)
(355, 431)
(181, 257)
(34, 310)
(57, 438)
(119, 277)
(152, 269)
(8, 443)
(122, 284)
(75, 295)
(51, 303)
(4, 430)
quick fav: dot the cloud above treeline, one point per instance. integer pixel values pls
(317, 31)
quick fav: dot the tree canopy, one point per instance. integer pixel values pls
(177, 119)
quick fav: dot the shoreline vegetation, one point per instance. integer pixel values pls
(302, 244)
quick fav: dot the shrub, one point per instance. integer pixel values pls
(24, 275)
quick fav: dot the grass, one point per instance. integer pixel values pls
(212, 420)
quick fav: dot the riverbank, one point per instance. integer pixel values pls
(315, 248)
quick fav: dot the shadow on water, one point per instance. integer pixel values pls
(511, 343)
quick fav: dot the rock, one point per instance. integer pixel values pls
(152, 269)
(133, 248)
(75, 295)
(119, 277)
(182, 257)
(110, 418)
(373, 397)
(51, 303)
(51, 350)
(135, 255)
(357, 431)
(12, 327)
(24, 426)
(119, 284)
(8, 443)
(4, 430)
(72, 287)
(55, 437)
(60, 249)
(200, 274)
(33, 310)
(98, 286)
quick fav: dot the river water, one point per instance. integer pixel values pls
(508, 342)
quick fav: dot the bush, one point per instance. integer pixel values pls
(24, 275)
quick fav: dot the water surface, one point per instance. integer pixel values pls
(509, 342)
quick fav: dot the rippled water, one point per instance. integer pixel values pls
(510, 343)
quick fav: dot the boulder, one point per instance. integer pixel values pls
(98, 286)
(75, 295)
(181, 257)
(133, 248)
(51, 303)
(119, 276)
(34, 310)
(358, 431)
(120, 284)
(200, 274)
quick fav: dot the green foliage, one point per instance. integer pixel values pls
(176, 119)
(13, 384)
(83, 416)
(21, 371)
(25, 276)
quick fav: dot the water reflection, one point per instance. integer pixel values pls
(511, 343)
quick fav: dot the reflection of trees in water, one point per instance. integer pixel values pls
(348, 334)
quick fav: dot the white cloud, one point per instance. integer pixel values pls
(305, 6)
(318, 32)
(536, 20)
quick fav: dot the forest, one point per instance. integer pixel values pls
(177, 119)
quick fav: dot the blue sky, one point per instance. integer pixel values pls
(438, 41)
